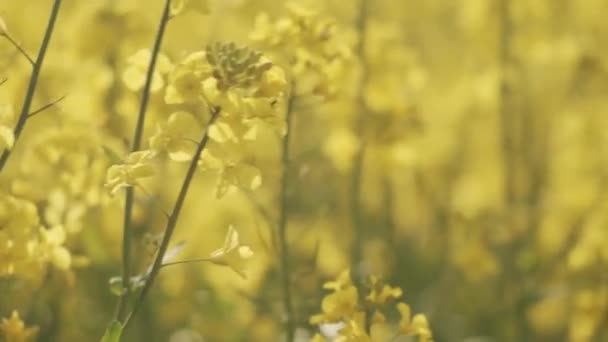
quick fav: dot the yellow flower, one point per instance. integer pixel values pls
(53, 240)
(232, 254)
(354, 331)
(337, 306)
(134, 75)
(14, 330)
(186, 79)
(234, 170)
(381, 293)
(7, 137)
(174, 136)
(344, 280)
(138, 165)
(340, 146)
(417, 326)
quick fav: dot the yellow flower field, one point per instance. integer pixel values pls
(303, 170)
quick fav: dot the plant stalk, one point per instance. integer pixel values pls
(136, 145)
(172, 221)
(290, 324)
(33, 84)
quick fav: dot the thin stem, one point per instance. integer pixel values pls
(19, 48)
(290, 327)
(189, 261)
(172, 222)
(31, 90)
(505, 110)
(46, 106)
(2, 81)
(136, 144)
(358, 162)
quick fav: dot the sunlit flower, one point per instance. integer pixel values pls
(232, 254)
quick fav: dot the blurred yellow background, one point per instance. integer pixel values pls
(460, 153)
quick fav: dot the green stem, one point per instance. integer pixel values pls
(31, 90)
(358, 162)
(19, 48)
(505, 110)
(136, 145)
(290, 327)
(172, 221)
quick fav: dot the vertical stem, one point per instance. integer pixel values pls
(172, 221)
(357, 172)
(31, 90)
(505, 107)
(136, 144)
(290, 327)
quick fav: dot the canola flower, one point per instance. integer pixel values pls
(473, 133)
(13, 329)
(344, 305)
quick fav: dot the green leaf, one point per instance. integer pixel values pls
(113, 332)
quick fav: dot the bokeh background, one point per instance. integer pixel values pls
(482, 186)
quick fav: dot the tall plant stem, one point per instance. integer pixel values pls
(136, 144)
(505, 107)
(358, 162)
(173, 217)
(31, 89)
(290, 326)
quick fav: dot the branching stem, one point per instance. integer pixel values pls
(31, 89)
(136, 145)
(172, 222)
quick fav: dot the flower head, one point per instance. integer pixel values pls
(138, 165)
(14, 330)
(173, 136)
(381, 293)
(416, 326)
(134, 75)
(232, 254)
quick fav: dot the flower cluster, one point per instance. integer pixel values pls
(26, 247)
(244, 86)
(312, 46)
(362, 317)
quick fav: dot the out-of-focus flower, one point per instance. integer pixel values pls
(336, 306)
(134, 75)
(232, 254)
(175, 136)
(52, 240)
(381, 293)
(138, 165)
(13, 329)
(7, 137)
(416, 326)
